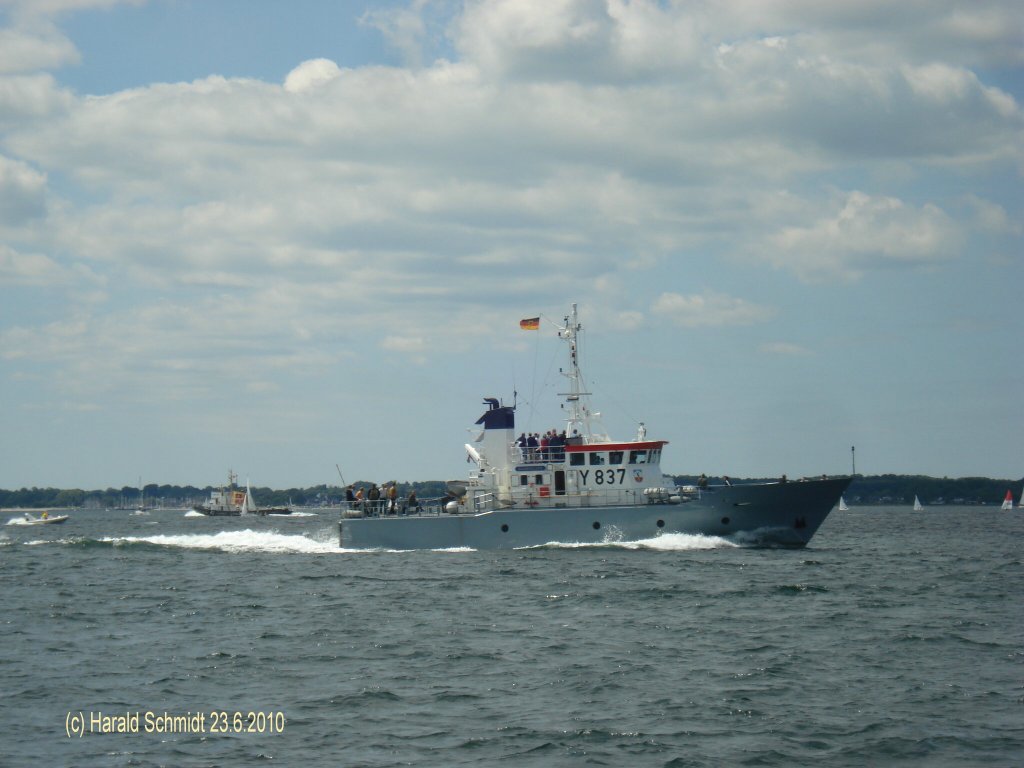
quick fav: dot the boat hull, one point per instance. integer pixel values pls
(273, 511)
(238, 512)
(217, 512)
(775, 514)
(46, 520)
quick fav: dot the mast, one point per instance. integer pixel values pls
(582, 421)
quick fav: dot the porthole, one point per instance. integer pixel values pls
(504, 528)
(725, 521)
(661, 523)
(596, 525)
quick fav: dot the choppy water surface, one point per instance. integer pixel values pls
(897, 638)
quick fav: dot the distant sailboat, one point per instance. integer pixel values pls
(249, 508)
(917, 504)
(1008, 501)
(842, 504)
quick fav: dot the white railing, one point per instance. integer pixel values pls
(478, 501)
(490, 500)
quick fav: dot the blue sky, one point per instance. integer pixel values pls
(276, 237)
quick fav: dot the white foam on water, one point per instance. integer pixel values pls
(666, 542)
(236, 541)
(671, 542)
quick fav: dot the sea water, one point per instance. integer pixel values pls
(896, 638)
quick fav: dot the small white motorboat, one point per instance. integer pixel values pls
(44, 519)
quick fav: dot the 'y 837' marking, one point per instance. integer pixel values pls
(604, 476)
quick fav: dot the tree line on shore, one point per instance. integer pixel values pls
(901, 489)
(865, 489)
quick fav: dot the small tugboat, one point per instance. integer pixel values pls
(583, 487)
(232, 501)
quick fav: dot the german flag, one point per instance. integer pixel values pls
(530, 323)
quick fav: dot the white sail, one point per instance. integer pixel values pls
(917, 504)
(250, 502)
(842, 504)
(1008, 501)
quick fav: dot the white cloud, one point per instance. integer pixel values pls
(709, 309)
(992, 217)
(404, 28)
(860, 232)
(573, 149)
(34, 44)
(27, 98)
(29, 268)
(22, 192)
(311, 74)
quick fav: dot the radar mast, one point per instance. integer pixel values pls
(582, 420)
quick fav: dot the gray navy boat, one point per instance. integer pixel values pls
(583, 487)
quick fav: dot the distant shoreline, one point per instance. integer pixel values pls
(864, 490)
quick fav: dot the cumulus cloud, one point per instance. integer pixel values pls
(404, 28)
(587, 41)
(992, 217)
(30, 98)
(865, 232)
(311, 74)
(28, 268)
(22, 192)
(34, 44)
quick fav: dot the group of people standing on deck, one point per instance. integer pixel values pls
(547, 447)
(379, 501)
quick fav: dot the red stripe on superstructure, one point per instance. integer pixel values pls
(615, 446)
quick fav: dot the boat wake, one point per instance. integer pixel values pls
(234, 541)
(667, 542)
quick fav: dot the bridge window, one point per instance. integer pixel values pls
(524, 480)
(596, 458)
(576, 459)
(614, 457)
(638, 457)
